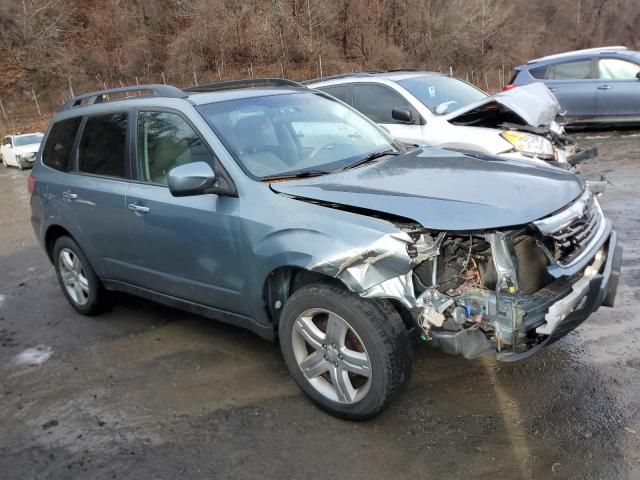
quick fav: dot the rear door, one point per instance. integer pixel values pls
(618, 88)
(341, 92)
(378, 101)
(93, 196)
(574, 85)
(185, 247)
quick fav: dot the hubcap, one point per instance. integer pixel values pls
(73, 278)
(331, 355)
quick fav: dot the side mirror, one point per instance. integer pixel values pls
(402, 114)
(191, 179)
(638, 74)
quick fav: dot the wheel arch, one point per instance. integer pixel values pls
(283, 281)
(53, 233)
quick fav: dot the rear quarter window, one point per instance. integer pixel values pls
(57, 149)
(538, 72)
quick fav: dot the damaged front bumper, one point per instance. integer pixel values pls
(598, 286)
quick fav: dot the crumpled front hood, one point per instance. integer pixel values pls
(534, 103)
(446, 190)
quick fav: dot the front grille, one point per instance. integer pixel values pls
(570, 239)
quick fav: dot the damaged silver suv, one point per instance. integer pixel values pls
(279, 209)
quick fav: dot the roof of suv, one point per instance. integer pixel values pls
(198, 95)
(578, 54)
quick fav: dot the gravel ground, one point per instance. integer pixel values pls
(148, 392)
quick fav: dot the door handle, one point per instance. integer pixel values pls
(69, 195)
(137, 208)
(604, 87)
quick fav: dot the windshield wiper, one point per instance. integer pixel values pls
(295, 174)
(370, 157)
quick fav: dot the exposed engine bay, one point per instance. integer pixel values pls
(487, 292)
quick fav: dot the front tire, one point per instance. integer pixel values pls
(349, 355)
(76, 277)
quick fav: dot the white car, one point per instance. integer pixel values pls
(430, 108)
(20, 150)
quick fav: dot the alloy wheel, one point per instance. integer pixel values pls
(73, 277)
(331, 355)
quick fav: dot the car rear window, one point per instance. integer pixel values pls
(102, 148)
(57, 149)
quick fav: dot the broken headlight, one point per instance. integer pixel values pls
(529, 144)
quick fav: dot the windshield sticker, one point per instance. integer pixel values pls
(432, 91)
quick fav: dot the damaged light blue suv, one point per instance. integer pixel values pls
(280, 209)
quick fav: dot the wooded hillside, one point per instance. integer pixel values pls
(50, 47)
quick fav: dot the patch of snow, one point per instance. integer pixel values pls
(34, 357)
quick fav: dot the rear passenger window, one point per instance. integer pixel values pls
(57, 149)
(165, 141)
(577, 70)
(341, 92)
(377, 102)
(102, 148)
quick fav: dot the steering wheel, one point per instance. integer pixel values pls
(321, 147)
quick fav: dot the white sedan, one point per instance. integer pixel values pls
(429, 108)
(20, 150)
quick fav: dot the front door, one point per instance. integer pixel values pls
(378, 101)
(618, 88)
(185, 247)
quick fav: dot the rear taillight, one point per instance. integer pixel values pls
(508, 87)
(31, 184)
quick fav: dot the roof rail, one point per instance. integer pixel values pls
(339, 75)
(248, 83)
(404, 70)
(577, 52)
(157, 90)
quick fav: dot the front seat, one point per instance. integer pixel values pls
(254, 139)
(168, 152)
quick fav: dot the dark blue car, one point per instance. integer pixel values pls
(599, 85)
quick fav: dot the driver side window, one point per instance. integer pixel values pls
(377, 102)
(165, 141)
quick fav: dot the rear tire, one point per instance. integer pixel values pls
(349, 355)
(76, 277)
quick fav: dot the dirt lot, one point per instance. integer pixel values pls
(146, 392)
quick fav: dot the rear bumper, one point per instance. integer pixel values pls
(601, 290)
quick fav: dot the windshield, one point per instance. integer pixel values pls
(27, 139)
(284, 134)
(442, 94)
